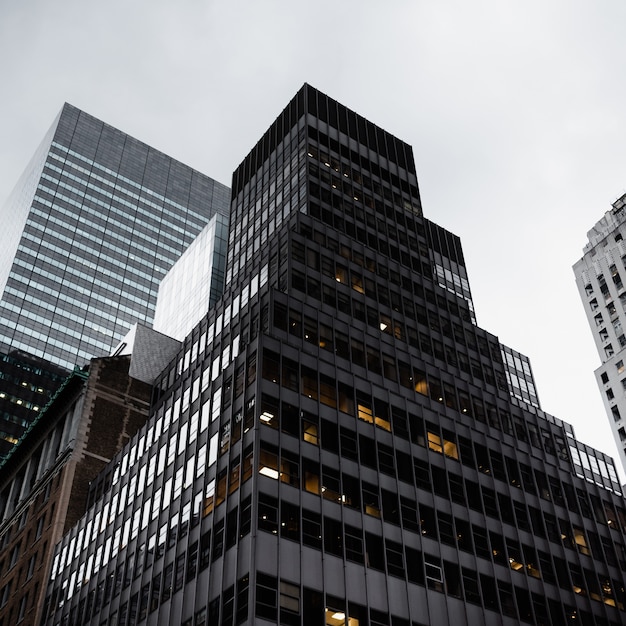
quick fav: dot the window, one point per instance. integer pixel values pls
(470, 585)
(371, 503)
(353, 539)
(330, 484)
(22, 609)
(268, 514)
(310, 476)
(333, 537)
(435, 443)
(289, 603)
(309, 430)
(375, 555)
(269, 415)
(310, 331)
(364, 410)
(427, 522)
(328, 392)
(581, 541)
(290, 469)
(166, 592)
(348, 444)
(290, 371)
(395, 559)
(268, 462)
(346, 399)
(434, 575)
(309, 382)
(15, 554)
(311, 529)
(382, 416)
(386, 459)
(266, 587)
(31, 567)
(271, 366)
(5, 593)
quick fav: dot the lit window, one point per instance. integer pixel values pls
(365, 413)
(268, 464)
(309, 432)
(341, 274)
(421, 384)
(357, 283)
(581, 541)
(450, 449)
(434, 443)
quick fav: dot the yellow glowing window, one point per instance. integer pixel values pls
(365, 413)
(421, 385)
(607, 592)
(383, 423)
(309, 433)
(336, 617)
(434, 443)
(450, 449)
(581, 541)
(357, 283)
(533, 570)
(312, 482)
(341, 274)
(373, 510)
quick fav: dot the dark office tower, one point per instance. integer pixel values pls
(26, 384)
(95, 222)
(336, 442)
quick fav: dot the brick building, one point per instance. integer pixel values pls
(45, 480)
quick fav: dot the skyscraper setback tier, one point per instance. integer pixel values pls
(92, 227)
(336, 442)
(599, 277)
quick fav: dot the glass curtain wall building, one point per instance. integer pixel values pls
(336, 442)
(194, 283)
(99, 218)
(95, 222)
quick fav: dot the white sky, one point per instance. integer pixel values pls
(515, 111)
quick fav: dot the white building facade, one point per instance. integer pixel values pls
(600, 276)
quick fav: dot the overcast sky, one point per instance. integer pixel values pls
(515, 111)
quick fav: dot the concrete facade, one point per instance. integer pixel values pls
(599, 277)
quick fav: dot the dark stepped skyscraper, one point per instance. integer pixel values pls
(337, 443)
(93, 225)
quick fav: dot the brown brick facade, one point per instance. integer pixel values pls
(96, 415)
